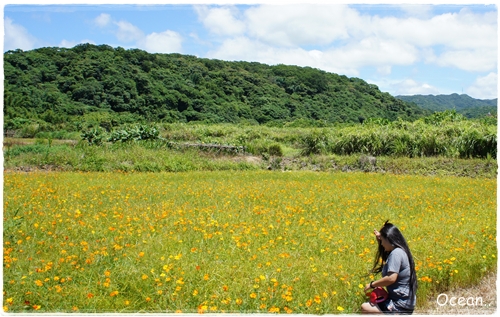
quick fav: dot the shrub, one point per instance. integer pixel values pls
(275, 150)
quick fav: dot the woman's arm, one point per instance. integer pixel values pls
(387, 280)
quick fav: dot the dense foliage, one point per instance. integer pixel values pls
(463, 104)
(441, 144)
(55, 88)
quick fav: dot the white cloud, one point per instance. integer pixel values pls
(221, 21)
(156, 42)
(344, 39)
(411, 87)
(244, 48)
(127, 32)
(417, 10)
(102, 20)
(17, 37)
(374, 52)
(475, 60)
(463, 30)
(466, 40)
(164, 42)
(384, 70)
(294, 25)
(484, 87)
(70, 44)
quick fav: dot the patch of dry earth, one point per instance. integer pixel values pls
(486, 291)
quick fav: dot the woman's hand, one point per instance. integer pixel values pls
(367, 287)
(377, 234)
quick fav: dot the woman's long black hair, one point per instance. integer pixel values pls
(396, 238)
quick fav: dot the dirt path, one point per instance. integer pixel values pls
(471, 305)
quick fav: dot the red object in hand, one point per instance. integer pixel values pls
(378, 295)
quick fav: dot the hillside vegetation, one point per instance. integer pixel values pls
(129, 110)
(442, 144)
(463, 104)
(51, 89)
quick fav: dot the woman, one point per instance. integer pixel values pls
(398, 273)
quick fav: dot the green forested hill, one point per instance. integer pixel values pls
(56, 87)
(464, 104)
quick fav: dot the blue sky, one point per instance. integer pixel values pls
(404, 49)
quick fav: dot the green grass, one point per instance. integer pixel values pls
(232, 241)
(157, 156)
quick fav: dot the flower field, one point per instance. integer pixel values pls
(252, 242)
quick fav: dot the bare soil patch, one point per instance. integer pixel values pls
(486, 291)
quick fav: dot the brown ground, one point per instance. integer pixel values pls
(486, 289)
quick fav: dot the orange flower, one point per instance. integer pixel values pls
(90, 295)
(317, 299)
(274, 310)
(113, 293)
(36, 307)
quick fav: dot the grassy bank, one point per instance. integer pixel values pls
(157, 156)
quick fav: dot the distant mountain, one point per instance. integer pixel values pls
(464, 104)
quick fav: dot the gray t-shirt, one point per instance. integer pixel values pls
(397, 262)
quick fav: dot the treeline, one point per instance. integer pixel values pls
(53, 88)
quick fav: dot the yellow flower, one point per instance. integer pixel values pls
(144, 277)
(107, 273)
(38, 283)
(340, 308)
(113, 293)
(253, 295)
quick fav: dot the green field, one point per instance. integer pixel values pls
(232, 241)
